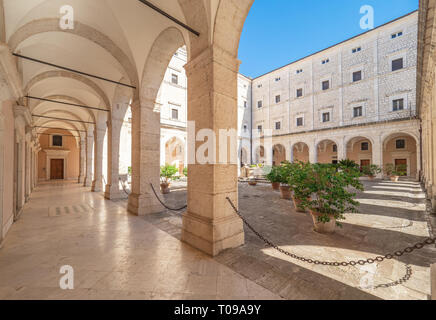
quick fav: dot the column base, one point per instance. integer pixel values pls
(87, 182)
(141, 205)
(81, 180)
(212, 236)
(113, 193)
(97, 186)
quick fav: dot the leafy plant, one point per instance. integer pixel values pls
(273, 175)
(185, 171)
(371, 170)
(389, 168)
(330, 190)
(168, 173)
(298, 180)
(129, 171)
(347, 164)
(400, 170)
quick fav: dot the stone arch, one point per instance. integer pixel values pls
(175, 152)
(70, 75)
(360, 149)
(243, 156)
(279, 154)
(398, 153)
(82, 30)
(70, 114)
(260, 155)
(300, 151)
(146, 123)
(69, 126)
(327, 150)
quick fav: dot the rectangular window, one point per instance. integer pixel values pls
(325, 61)
(357, 112)
(357, 76)
(278, 125)
(277, 79)
(278, 99)
(395, 35)
(245, 104)
(245, 128)
(259, 129)
(57, 141)
(397, 64)
(300, 122)
(356, 50)
(299, 93)
(326, 85)
(299, 71)
(398, 104)
(326, 117)
(364, 146)
(335, 148)
(400, 144)
(259, 86)
(174, 79)
(259, 104)
(174, 114)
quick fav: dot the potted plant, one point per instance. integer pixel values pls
(167, 173)
(284, 171)
(185, 171)
(397, 172)
(252, 181)
(273, 176)
(330, 187)
(371, 171)
(298, 181)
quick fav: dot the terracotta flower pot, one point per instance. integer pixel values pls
(394, 178)
(165, 187)
(371, 178)
(321, 227)
(285, 192)
(252, 182)
(297, 202)
(275, 185)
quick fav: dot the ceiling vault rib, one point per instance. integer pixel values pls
(63, 135)
(55, 118)
(59, 128)
(72, 70)
(66, 103)
(152, 6)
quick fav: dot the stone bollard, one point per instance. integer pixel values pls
(433, 281)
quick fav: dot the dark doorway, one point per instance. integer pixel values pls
(57, 169)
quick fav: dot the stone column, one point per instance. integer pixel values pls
(112, 190)
(82, 159)
(97, 183)
(89, 160)
(162, 151)
(313, 152)
(210, 223)
(342, 149)
(145, 157)
(377, 154)
(20, 174)
(27, 172)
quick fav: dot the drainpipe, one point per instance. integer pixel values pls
(251, 123)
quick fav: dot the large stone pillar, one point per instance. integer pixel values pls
(210, 223)
(112, 190)
(89, 160)
(97, 183)
(377, 154)
(145, 157)
(27, 171)
(342, 149)
(313, 152)
(82, 159)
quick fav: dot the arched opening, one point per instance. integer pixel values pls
(400, 150)
(327, 151)
(243, 156)
(279, 154)
(260, 155)
(300, 152)
(175, 153)
(359, 149)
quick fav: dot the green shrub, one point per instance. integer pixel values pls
(185, 171)
(371, 170)
(273, 174)
(168, 173)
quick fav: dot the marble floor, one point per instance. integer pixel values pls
(114, 255)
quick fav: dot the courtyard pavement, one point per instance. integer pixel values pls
(120, 256)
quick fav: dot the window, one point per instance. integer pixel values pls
(245, 128)
(396, 35)
(175, 114)
(299, 71)
(278, 125)
(259, 104)
(259, 128)
(398, 104)
(325, 61)
(300, 122)
(357, 112)
(397, 64)
(335, 148)
(174, 79)
(277, 98)
(356, 50)
(357, 76)
(326, 117)
(277, 79)
(245, 104)
(57, 141)
(364, 146)
(259, 86)
(299, 93)
(326, 85)
(400, 144)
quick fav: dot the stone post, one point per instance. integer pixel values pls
(313, 152)
(377, 154)
(433, 281)
(82, 159)
(97, 183)
(210, 223)
(112, 189)
(145, 157)
(89, 160)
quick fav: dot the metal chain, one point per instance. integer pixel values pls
(388, 256)
(124, 187)
(163, 204)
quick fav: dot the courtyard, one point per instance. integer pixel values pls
(116, 255)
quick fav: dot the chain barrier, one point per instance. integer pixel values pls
(404, 279)
(163, 204)
(124, 187)
(389, 256)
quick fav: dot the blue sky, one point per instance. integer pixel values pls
(278, 32)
